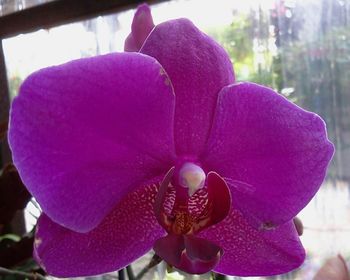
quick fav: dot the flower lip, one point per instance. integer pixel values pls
(189, 253)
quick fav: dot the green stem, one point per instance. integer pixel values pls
(34, 276)
(130, 272)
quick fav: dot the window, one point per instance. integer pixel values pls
(299, 47)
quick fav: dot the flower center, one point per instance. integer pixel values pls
(191, 201)
(185, 205)
(191, 176)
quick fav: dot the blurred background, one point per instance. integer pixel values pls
(301, 48)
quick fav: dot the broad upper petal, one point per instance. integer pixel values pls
(127, 233)
(141, 26)
(248, 251)
(272, 154)
(86, 133)
(198, 68)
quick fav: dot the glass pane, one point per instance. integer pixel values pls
(299, 47)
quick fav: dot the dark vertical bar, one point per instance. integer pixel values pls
(5, 155)
(121, 274)
(17, 224)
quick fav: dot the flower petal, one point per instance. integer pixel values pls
(85, 133)
(141, 26)
(272, 154)
(198, 68)
(248, 251)
(160, 198)
(334, 269)
(127, 233)
(219, 196)
(209, 206)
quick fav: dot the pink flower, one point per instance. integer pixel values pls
(129, 151)
(335, 268)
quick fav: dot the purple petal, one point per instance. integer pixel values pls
(248, 251)
(86, 133)
(127, 233)
(160, 198)
(219, 197)
(211, 205)
(141, 26)
(198, 68)
(272, 154)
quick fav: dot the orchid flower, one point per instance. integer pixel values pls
(162, 149)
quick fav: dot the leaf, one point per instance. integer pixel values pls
(10, 236)
(13, 253)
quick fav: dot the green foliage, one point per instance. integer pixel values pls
(10, 236)
(246, 41)
(237, 40)
(14, 84)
